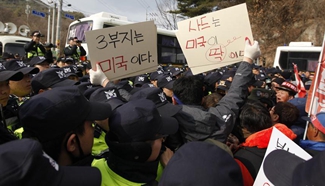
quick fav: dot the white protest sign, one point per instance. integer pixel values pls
(215, 39)
(279, 141)
(124, 51)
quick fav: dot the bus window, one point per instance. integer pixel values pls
(15, 48)
(78, 30)
(169, 50)
(107, 25)
(304, 60)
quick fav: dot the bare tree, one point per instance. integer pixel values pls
(166, 19)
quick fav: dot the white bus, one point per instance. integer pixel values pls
(304, 54)
(169, 50)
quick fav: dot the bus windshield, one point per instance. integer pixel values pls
(15, 48)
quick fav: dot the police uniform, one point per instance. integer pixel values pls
(109, 177)
(74, 51)
(36, 49)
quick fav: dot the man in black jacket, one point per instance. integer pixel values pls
(35, 48)
(74, 50)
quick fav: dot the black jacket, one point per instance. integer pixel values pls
(72, 51)
(32, 46)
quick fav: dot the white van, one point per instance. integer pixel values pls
(304, 54)
(13, 44)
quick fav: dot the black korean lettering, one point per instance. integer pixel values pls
(102, 43)
(138, 37)
(125, 37)
(114, 38)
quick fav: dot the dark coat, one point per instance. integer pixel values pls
(197, 123)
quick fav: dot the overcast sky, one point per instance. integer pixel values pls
(134, 10)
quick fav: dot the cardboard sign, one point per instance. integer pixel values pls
(279, 141)
(215, 39)
(124, 51)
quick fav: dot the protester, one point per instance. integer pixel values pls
(257, 128)
(217, 122)
(286, 91)
(285, 113)
(315, 134)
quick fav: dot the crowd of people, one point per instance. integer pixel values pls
(65, 123)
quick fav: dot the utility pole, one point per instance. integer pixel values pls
(27, 10)
(53, 25)
(49, 25)
(48, 17)
(147, 13)
(58, 27)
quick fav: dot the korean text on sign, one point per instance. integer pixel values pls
(124, 50)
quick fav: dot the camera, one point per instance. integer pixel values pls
(48, 45)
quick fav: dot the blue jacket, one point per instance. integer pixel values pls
(313, 147)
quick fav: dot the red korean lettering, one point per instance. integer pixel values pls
(107, 65)
(201, 42)
(202, 25)
(190, 44)
(190, 28)
(122, 63)
(217, 53)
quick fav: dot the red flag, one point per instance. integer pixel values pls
(300, 84)
(316, 94)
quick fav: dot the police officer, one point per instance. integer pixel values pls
(74, 50)
(35, 48)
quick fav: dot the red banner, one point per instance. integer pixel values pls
(300, 84)
(316, 94)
